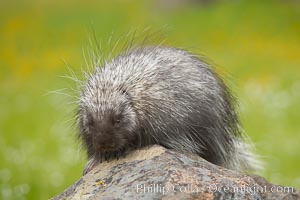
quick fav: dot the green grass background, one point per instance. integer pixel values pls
(256, 43)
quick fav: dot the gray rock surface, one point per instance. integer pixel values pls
(158, 173)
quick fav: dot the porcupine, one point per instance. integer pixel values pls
(161, 95)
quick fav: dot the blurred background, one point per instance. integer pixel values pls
(255, 43)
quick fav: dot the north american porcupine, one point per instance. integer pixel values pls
(160, 95)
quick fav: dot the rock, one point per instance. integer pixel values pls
(158, 173)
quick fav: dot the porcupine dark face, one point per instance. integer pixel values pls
(107, 120)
